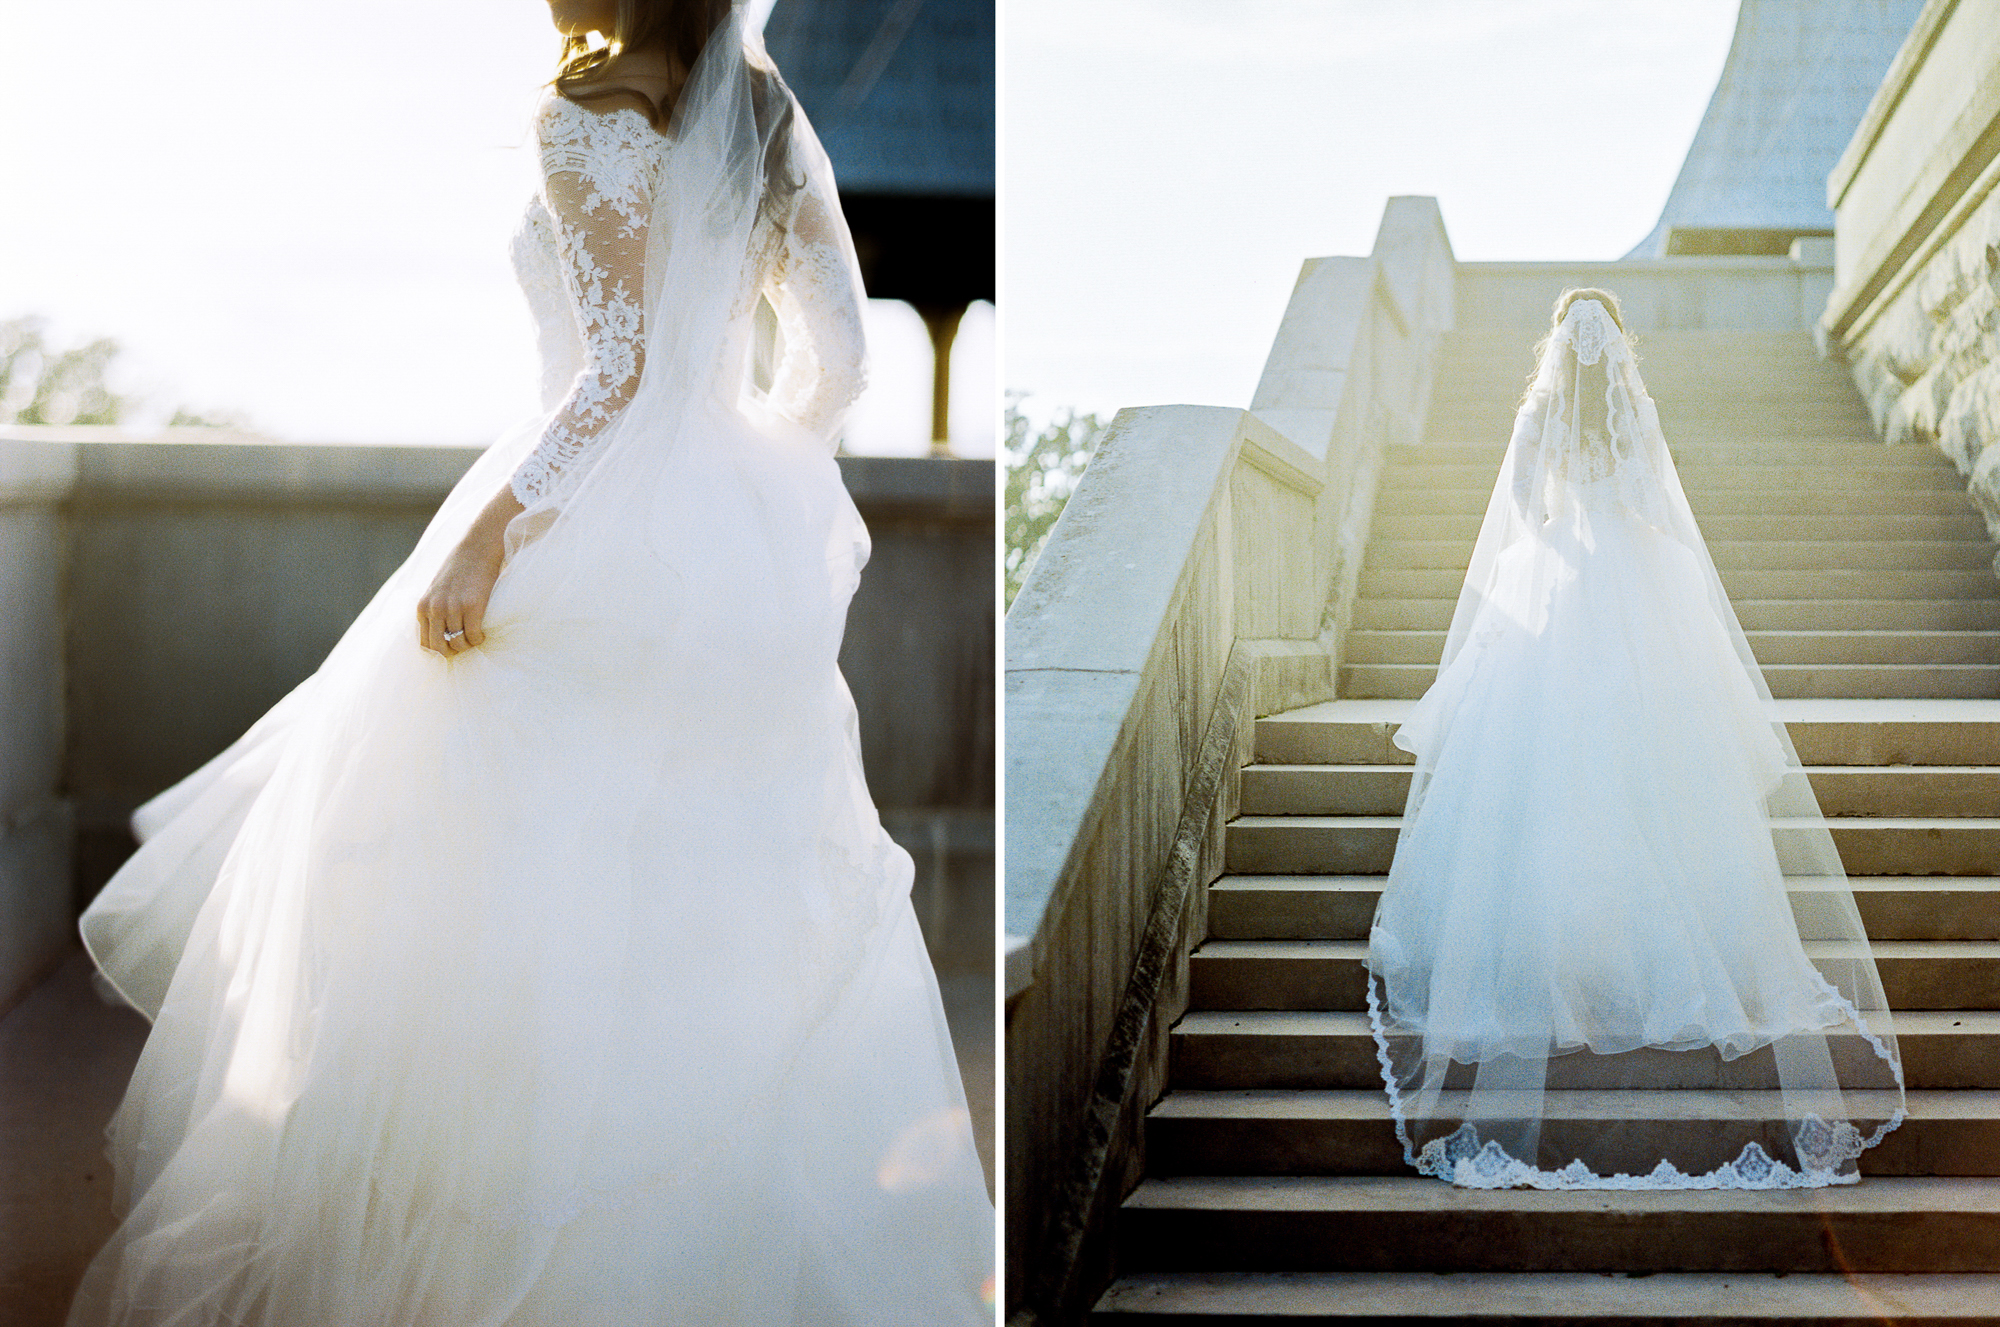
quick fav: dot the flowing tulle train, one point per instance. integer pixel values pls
(555, 983)
(1616, 948)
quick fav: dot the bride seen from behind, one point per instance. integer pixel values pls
(1617, 948)
(547, 963)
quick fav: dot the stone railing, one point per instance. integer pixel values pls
(1203, 573)
(161, 592)
(1915, 308)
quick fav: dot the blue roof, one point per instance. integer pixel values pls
(900, 91)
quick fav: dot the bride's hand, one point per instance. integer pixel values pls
(451, 617)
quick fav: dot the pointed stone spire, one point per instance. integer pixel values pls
(1798, 77)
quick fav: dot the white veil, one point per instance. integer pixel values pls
(1505, 1064)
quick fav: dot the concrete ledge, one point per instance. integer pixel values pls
(1078, 639)
(1888, 96)
(1205, 552)
(932, 488)
(209, 465)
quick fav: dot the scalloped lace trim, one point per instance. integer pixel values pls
(1460, 1158)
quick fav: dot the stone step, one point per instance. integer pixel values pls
(1840, 455)
(1364, 845)
(1341, 907)
(1964, 524)
(1737, 582)
(1706, 377)
(1759, 554)
(1824, 732)
(1734, 348)
(1366, 646)
(1767, 407)
(1332, 1048)
(1434, 614)
(1689, 428)
(1843, 790)
(1410, 1223)
(1700, 480)
(1773, 407)
(1293, 1131)
(1508, 367)
(1773, 397)
(1752, 404)
(1826, 504)
(1748, 361)
(1934, 681)
(1696, 1299)
(1331, 974)
(1686, 387)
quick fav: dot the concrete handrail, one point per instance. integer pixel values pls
(1204, 572)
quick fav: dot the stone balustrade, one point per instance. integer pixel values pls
(1203, 573)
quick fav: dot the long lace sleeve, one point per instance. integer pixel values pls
(598, 174)
(1523, 449)
(823, 366)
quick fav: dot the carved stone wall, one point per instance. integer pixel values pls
(1915, 309)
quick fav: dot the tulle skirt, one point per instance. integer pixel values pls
(1591, 870)
(569, 981)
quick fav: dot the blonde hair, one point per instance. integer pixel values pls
(1570, 296)
(680, 29)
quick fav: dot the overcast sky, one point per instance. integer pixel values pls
(1170, 163)
(300, 212)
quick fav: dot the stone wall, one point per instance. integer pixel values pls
(1917, 236)
(35, 819)
(1694, 294)
(1203, 573)
(158, 594)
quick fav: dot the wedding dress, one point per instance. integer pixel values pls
(572, 980)
(1616, 948)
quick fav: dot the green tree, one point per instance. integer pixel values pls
(1042, 471)
(42, 385)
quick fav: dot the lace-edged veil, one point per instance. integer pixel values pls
(1587, 438)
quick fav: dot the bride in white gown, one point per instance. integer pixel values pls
(561, 972)
(1616, 948)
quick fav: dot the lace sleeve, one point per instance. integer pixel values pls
(823, 366)
(1636, 427)
(598, 188)
(1523, 449)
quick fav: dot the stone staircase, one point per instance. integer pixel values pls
(1863, 578)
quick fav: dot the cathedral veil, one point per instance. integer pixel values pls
(1617, 947)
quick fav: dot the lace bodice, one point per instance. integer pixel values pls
(1599, 464)
(580, 256)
